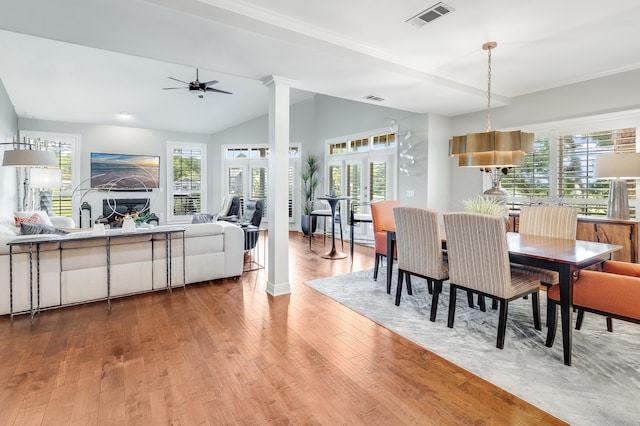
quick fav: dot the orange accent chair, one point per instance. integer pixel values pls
(614, 293)
(382, 220)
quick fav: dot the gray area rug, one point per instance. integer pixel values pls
(602, 387)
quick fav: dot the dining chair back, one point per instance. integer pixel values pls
(547, 221)
(382, 220)
(419, 247)
(479, 262)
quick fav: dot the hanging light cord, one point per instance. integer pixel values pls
(488, 46)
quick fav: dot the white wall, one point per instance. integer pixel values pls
(8, 181)
(585, 100)
(121, 140)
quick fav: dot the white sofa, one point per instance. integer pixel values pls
(75, 271)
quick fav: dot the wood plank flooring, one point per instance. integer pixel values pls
(225, 352)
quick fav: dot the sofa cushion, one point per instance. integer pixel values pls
(8, 231)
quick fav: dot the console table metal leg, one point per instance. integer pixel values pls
(184, 267)
(38, 274)
(169, 260)
(108, 273)
(31, 282)
(11, 284)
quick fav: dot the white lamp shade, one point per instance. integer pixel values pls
(618, 166)
(46, 178)
(28, 158)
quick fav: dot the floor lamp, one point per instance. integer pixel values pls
(618, 167)
(43, 180)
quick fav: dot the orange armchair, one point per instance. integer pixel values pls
(614, 293)
(382, 219)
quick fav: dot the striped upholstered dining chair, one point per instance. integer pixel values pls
(419, 248)
(382, 220)
(547, 221)
(479, 262)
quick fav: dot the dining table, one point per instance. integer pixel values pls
(554, 254)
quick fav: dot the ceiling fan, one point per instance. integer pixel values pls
(198, 86)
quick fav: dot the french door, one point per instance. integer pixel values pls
(363, 178)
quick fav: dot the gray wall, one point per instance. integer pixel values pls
(586, 100)
(324, 117)
(8, 181)
(122, 140)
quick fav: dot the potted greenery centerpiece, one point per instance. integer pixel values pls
(309, 186)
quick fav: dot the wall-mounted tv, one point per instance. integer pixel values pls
(125, 172)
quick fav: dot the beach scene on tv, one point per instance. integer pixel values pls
(124, 171)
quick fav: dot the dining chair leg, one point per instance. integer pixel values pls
(430, 285)
(324, 231)
(399, 288)
(535, 302)
(502, 323)
(494, 303)
(409, 288)
(341, 238)
(452, 305)
(470, 299)
(481, 303)
(552, 318)
(376, 264)
(579, 319)
(610, 324)
(437, 289)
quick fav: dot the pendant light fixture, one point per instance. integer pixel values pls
(491, 148)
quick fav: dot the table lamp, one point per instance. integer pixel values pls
(618, 167)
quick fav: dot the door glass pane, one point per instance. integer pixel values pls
(354, 185)
(335, 180)
(378, 180)
(259, 180)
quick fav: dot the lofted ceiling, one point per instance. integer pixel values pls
(87, 60)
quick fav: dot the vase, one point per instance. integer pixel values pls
(497, 192)
(305, 221)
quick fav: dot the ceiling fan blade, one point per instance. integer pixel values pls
(184, 82)
(211, 89)
(210, 83)
(171, 88)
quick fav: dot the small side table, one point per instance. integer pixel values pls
(252, 248)
(333, 253)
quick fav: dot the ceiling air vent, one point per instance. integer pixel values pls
(426, 16)
(374, 98)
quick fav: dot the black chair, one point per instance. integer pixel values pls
(230, 208)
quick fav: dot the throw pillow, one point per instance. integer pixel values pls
(37, 216)
(29, 228)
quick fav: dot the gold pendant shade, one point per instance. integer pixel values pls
(492, 148)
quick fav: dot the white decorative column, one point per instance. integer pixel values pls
(278, 208)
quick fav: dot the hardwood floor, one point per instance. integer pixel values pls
(225, 352)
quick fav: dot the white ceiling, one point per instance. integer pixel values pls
(91, 59)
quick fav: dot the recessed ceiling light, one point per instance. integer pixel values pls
(123, 115)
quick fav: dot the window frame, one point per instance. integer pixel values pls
(171, 145)
(74, 140)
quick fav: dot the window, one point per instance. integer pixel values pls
(187, 177)
(65, 147)
(252, 162)
(560, 170)
(531, 180)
